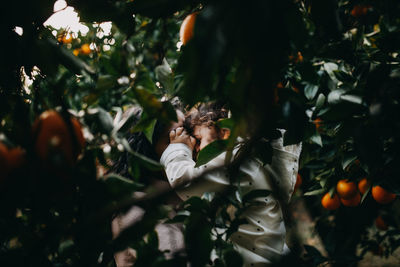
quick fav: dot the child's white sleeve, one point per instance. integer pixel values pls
(179, 165)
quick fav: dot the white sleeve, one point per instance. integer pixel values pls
(179, 165)
(285, 165)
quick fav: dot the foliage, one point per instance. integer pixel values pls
(328, 72)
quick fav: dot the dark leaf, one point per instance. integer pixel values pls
(211, 151)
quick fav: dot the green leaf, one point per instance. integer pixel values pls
(148, 163)
(330, 68)
(143, 80)
(310, 90)
(232, 258)
(316, 138)
(315, 192)
(334, 97)
(195, 204)
(177, 219)
(119, 187)
(148, 132)
(198, 240)
(125, 124)
(348, 158)
(66, 247)
(226, 123)
(211, 151)
(152, 239)
(255, 194)
(320, 102)
(105, 82)
(166, 77)
(355, 99)
(101, 119)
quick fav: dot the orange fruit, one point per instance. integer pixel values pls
(330, 203)
(187, 28)
(363, 185)
(16, 157)
(359, 10)
(10, 159)
(380, 223)
(381, 195)
(85, 49)
(346, 189)
(299, 182)
(64, 38)
(67, 39)
(352, 202)
(318, 123)
(76, 52)
(296, 59)
(3, 161)
(299, 57)
(53, 137)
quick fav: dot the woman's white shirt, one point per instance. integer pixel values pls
(262, 239)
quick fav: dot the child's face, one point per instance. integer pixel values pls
(205, 135)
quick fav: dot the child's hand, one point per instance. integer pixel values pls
(179, 135)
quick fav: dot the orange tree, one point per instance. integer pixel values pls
(327, 72)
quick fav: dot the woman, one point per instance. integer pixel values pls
(170, 235)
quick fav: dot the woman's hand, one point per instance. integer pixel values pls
(179, 135)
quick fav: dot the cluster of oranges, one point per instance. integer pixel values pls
(298, 58)
(67, 39)
(349, 194)
(84, 50)
(360, 10)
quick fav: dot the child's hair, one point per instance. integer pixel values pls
(205, 113)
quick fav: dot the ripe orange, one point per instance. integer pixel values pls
(381, 195)
(53, 137)
(299, 57)
(67, 39)
(380, 223)
(3, 161)
(330, 203)
(296, 59)
(299, 182)
(346, 189)
(363, 185)
(85, 49)
(359, 10)
(76, 52)
(352, 202)
(10, 159)
(318, 123)
(16, 157)
(187, 28)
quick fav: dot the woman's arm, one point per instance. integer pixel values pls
(179, 165)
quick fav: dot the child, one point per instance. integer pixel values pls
(262, 239)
